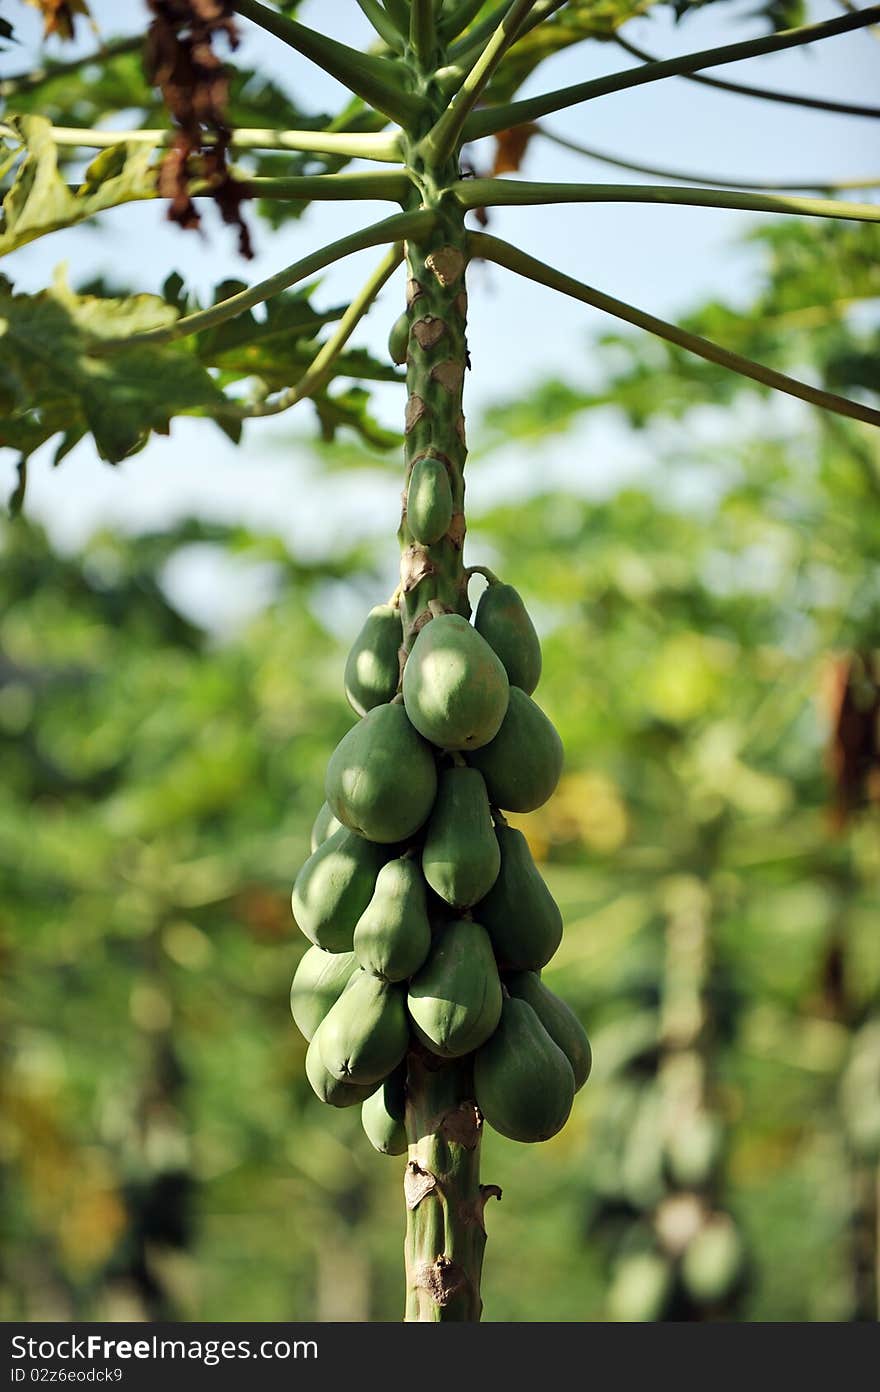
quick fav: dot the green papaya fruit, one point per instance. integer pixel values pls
(454, 687)
(393, 935)
(382, 778)
(382, 1115)
(522, 764)
(460, 857)
(323, 826)
(334, 887)
(693, 1149)
(335, 1091)
(398, 340)
(519, 913)
(503, 621)
(372, 668)
(713, 1260)
(455, 1000)
(429, 500)
(366, 1033)
(641, 1285)
(318, 982)
(558, 1019)
(523, 1082)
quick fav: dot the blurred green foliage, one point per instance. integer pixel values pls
(162, 1154)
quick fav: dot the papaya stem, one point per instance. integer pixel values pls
(445, 1232)
(389, 230)
(503, 254)
(483, 570)
(502, 117)
(445, 1236)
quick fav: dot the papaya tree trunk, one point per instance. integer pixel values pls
(445, 1236)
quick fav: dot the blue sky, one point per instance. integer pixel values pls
(662, 259)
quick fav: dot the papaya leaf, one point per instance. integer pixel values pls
(349, 408)
(40, 201)
(51, 381)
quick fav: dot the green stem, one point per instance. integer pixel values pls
(743, 90)
(460, 17)
(399, 12)
(445, 1232)
(496, 118)
(422, 30)
(26, 82)
(492, 249)
(470, 47)
(383, 25)
(445, 134)
(376, 80)
(383, 149)
(688, 177)
(388, 230)
(319, 371)
(496, 193)
(395, 188)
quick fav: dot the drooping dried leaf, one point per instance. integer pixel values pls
(510, 148)
(59, 16)
(194, 81)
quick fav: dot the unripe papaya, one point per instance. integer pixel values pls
(393, 935)
(334, 887)
(558, 1019)
(693, 1149)
(502, 619)
(455, 1000)
(365, 1034)
(372, 668)
(318, 982)
(335, 1091)
(323, 826)
(523, 1082)
(382, 1115)
(713, 1260)
(398, 340)
(429, 500)
(382, 778)
(523, 762)
(454, 687)
(460, 858)
(519, 913)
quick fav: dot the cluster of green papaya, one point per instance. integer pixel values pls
(428, 918)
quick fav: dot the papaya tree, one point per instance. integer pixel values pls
(429, 922)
